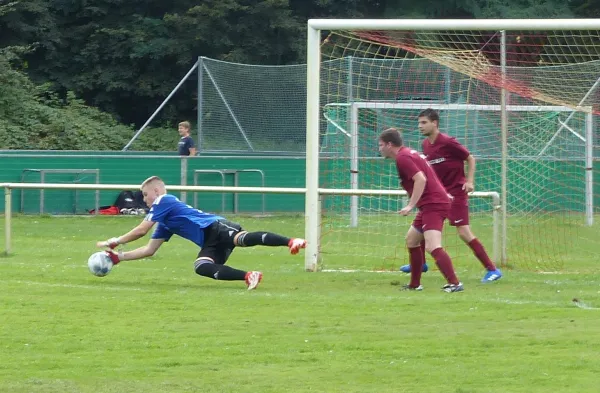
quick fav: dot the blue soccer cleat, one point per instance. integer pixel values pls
(492, 275)
(406, 268)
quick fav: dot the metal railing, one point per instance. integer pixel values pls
(309, 262)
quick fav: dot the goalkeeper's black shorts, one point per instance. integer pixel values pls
(218, 240)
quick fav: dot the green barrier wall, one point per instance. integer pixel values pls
(525, 189)
(131, 169)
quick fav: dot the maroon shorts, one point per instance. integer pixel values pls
(431, 218)
(459, 212)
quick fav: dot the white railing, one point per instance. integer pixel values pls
(310, 261)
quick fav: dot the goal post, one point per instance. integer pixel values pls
(522, 95)
(351, 132)
(353, 135)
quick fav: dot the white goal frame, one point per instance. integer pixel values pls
(353, 134)
(313, 110)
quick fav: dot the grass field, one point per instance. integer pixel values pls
(155, 326)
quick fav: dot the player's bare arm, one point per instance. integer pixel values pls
(419, 180)
(142, 252)
(469, 186)
(138, 232)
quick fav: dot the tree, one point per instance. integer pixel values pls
(125, 56)
(585, 8)
(33, 117)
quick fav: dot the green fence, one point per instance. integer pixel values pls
(550, 190)
(133, 169)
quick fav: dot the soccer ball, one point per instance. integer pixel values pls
(99, 264)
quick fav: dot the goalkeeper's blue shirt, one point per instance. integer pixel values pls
(175, 217)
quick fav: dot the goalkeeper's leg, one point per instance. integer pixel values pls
(251, 239)
(206, 267)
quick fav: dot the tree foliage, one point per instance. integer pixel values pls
(34, 117)
(123, 57)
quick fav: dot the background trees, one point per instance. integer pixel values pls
(124, 56)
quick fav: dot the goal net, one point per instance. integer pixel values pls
(544, 83)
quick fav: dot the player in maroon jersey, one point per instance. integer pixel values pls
(429, 196)
(447, 157)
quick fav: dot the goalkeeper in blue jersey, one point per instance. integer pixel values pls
(216, 236)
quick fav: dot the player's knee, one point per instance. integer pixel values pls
(238, 239)
(205, 267)
(412, 243)
(464, 232)
(433, 240)
(430, 247)
(413, 238)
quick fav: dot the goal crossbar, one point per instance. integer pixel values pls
(453, 24)
(466, 107)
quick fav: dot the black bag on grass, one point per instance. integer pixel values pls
(131, 202)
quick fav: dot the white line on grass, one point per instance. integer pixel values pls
(78, 286)
(137, 266)
(398, 271)
(578, 303)
(585, 306)
(523, 302)
(356, 271)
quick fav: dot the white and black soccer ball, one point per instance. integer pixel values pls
(99, 264)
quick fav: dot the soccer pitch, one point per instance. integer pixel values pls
(155, 326)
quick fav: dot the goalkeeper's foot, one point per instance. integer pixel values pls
(491, 275)
(406, 268)
(296, 244)
(253, 279)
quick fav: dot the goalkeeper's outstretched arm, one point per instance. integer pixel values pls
(139, 231)
(141, 252)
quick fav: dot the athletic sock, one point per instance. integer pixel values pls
(416, 266)
(480, 253)
(444, 263)
(220, 272)
(250, 239)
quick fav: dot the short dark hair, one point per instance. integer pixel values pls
(430, 114)
(391, 135)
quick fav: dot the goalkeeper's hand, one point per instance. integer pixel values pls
(114, 257)
(110, 243)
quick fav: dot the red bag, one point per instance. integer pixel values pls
(106, 210)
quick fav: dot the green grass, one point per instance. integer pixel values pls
(154, 326)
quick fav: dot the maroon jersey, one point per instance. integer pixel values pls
(447, 157)
(409, 163)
